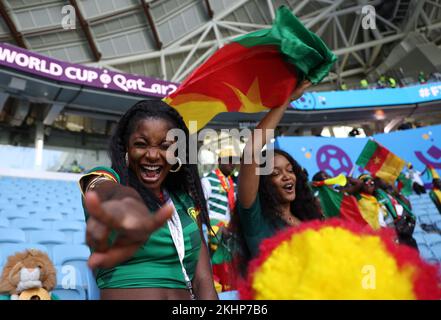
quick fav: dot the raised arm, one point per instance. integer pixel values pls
(248, 178)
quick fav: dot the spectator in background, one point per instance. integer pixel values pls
(422, 77)
(399, 211)
(435, 193)
(336, 200)
(76, 168)
(380, 209)
(417, 182)
(220, 193)
(364, 84)
(392, 83)
(382, 83)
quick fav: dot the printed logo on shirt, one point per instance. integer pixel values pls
(193, 213)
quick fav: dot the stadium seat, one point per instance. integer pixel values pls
(31, 224)
(4, 223)
(425, 252)
(48, 237)
(436, 249)
(79, 237)
(8, 249)
(51, 216)
(15, 214)
(64, 253)
(68, 225)
(432, 239)
(76, 293)
(69, 228)
(12, 235)
(77, 256)
(229, 295)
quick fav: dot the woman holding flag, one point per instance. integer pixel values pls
(269, 203)
(264, 70)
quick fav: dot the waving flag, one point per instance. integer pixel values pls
(338, 204)
(380, 162)
(255, 72)
(431, 173)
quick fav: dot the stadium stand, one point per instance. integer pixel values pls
(55, 224)
(428, 219)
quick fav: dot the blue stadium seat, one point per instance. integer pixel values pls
(436, 249)
(69, 228)
(12, 235)
(15, 214)
(69, 225)
(424, 219)
(31, 224)
(50, 216)
(229, 295)
(425, 252)
(79, 237)
(77, 256)
(4, 223)
(47, 237)
(65, 253)
(9, 249)
(76, 293)
(432, 239)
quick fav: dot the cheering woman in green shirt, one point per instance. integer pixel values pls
(270, 202)
(144, 214)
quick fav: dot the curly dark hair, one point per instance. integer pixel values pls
(186, 179)
(304, 207)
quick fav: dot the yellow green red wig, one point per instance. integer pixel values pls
(337, 259)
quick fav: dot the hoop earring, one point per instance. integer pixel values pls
(179, 166)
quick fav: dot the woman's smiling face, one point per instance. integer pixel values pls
(147, 152)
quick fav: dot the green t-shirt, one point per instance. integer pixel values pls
(256, 227)
(156, 263)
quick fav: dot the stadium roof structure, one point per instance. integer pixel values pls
(167, 39)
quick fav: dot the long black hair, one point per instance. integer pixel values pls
(304, 207)
(186, 179)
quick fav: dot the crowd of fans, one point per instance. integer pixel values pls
(389, 81)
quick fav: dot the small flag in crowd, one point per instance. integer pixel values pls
(253, 73)
(380, 162)
(338, 204)
(431, 173)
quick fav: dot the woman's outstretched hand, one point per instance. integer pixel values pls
(129, 218)
(299, 90)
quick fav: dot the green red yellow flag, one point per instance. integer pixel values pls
(254, 72)
(431, 173)
(380, 162)
(339, 204)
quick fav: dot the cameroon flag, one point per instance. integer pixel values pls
(338, 204)
(404, 185)
(254, 72)
(380, 162)
(431, 173)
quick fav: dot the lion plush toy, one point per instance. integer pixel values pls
(28, 275)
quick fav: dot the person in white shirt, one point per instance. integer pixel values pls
(417, 182)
